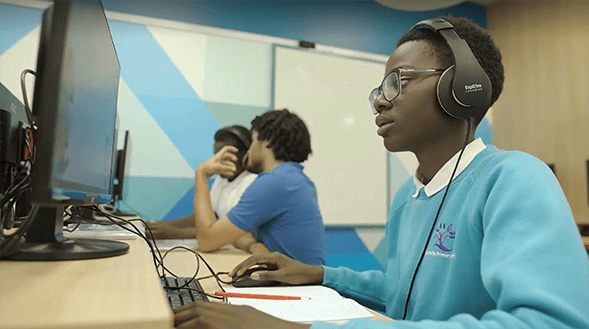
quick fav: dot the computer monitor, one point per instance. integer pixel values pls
(123, 163)
(75, 104)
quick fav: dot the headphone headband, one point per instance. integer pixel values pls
(435, 24)
(239, 132)
(465, 92)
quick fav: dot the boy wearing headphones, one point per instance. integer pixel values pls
(225, 193)
(478, 238)
(280, 207)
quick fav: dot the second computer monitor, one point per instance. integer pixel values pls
(123, 164)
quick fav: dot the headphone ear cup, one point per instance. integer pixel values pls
(445, 97)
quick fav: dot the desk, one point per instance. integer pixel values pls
(115, 292)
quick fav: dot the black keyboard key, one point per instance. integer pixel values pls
(182, 296)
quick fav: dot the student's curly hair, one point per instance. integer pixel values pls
(478, 40)
(287, 133)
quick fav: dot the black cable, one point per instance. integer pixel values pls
(12, 188)
(158, 258)
(13, 192)
(197, 262)
(434, 223)
(217, 277)
(7, 243)
(193, 278)
(11, 195)
(24, 95)
(6, 210)
(12, 198)
(156, 254)
(3, 220)
(157, 261)
(76, 226)
(214, 274)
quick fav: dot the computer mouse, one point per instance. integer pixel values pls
(244, 280)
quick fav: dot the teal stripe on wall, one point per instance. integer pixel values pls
(234, 114)
(153, 197)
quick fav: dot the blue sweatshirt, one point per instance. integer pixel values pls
(505, 251)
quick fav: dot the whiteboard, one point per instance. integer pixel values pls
(349, 162)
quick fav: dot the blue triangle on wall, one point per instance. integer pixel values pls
(15, 23)
(184, 206)
(343, 241)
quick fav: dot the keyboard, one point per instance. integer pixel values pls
(179, 297)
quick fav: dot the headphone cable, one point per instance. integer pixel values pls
(434, 223)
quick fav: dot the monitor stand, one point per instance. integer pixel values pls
(44, 241)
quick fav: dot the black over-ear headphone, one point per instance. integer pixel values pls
(464, 89)
(241, 133)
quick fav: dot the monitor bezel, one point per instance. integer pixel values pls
(45, 108)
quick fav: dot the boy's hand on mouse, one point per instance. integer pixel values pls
(216, 315)
(281, 268)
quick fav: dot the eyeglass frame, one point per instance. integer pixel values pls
(397, 71)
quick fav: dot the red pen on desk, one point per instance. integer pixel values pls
(256, 296)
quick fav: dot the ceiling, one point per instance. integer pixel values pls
(425, 5)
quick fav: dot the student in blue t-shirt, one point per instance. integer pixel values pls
(280, 206)
(477, 238)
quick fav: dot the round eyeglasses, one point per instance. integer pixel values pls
(392, 84)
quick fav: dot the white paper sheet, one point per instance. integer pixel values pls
(321, 304)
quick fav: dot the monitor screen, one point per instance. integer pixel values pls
(78, 114)
(75, 105)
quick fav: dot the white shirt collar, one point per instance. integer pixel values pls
(442, 177)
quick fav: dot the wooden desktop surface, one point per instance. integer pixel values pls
(114, 292)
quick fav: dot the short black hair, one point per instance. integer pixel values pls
(479, 41)
(237, 135)
(287, 133)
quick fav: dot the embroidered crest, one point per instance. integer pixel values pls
(442, 234)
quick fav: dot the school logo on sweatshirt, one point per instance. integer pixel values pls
(442, 242)
(444, 234)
